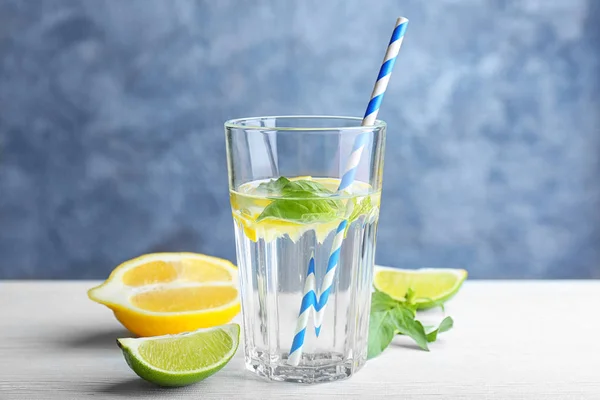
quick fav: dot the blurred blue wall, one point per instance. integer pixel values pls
(111, 138)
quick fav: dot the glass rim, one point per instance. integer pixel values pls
(236, 123)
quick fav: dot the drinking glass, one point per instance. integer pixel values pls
(283, 178)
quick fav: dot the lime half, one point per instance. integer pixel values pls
(179, 360)
(431, 286)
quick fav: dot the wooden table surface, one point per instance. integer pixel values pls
(512, 340)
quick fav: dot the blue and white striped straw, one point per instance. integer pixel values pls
(310, 299)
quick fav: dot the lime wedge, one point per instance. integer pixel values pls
(179, 360)
(431, 286)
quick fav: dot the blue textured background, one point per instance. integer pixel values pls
(111, 138)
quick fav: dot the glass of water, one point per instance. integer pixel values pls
(304, 321)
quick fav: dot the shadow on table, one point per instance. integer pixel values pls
(93, 339)
(405, 343)
(136, 387)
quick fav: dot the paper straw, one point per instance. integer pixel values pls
(319, 303)
(308, 301)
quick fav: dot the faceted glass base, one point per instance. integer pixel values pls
(325, 368)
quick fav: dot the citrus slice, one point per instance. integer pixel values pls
(431, 286)
(168, 293)
(271, 229)
(179, 360)
(248, 202)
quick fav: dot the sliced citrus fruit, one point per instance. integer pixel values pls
(179, 360)
(271, 229)
(168, 293)
(431, 286)
(247, 203)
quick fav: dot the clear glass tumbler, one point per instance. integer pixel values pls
(284, 174)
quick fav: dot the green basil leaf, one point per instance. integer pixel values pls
(362, 208)
(301, 201)
(381, 301)
(399, 316)
(304, 188)
(446, 324)
(405, 324)
(274, 186)
(381, 332)
(409, 297)
(303, 211)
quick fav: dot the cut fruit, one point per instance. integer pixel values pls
(179, 360)
(169, 293)
(270, 229)
(431, 286)
(248, 202)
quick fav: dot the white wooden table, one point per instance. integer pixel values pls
(512, 340)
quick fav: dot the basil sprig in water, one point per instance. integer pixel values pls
(300, 201)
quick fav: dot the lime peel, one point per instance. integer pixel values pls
(158, 359)
(431, 286)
